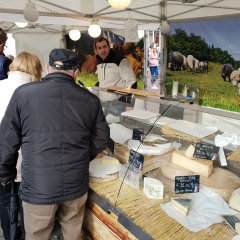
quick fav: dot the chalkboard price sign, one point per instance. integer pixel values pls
(205, 151)
(187, 184)
(138, 134)
(136, 159)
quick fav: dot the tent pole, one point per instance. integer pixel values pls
(163, 64)
(146, 45)
(162, 88)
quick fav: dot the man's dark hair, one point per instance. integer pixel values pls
(3, 36)
(100, 39)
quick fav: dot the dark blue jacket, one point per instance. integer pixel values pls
(4, 66)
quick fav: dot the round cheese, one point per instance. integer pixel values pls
(234, 201)
(172, 170)
(221, 181)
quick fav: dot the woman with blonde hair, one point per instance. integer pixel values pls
(25, 68)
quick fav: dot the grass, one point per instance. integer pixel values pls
(213, 91)
(88, 79)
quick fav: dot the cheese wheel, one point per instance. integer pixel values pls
(107, 160)
(222, 181)
(199, 166)
(234, 201)
(172, 170)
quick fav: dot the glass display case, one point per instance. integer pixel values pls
(166, 132)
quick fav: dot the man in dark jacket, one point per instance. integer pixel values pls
(4, 61)
(60, 128)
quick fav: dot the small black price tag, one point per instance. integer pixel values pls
(136, 159)
(138, 134)
(187, 184)
(205, 151)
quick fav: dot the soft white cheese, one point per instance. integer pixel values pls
(153, 188)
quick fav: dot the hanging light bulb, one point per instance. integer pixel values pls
(119, 4)
(94, 30)
(165, 28)
(74, 34)
(21, 24)
(30, 13)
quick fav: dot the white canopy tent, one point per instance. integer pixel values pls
(59, 16)
(80, 13)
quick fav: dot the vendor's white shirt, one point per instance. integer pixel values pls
(110, 74)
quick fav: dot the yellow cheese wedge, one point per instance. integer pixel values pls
(190, 151)
(182, 205)
(199, 166)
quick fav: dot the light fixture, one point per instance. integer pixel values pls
(119, 4)
(165, 28)
(94, 30)
(21, 24)
(140, 34)
(74, 34)
(30, 13)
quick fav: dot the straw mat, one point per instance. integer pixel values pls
(148, 215)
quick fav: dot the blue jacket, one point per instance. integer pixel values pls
(4, 66)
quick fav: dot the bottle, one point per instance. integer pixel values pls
(175, 89)
(185, 91)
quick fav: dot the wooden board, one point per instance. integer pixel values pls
(122, 153)
(134, 91)
(95, 229)
(100, 225)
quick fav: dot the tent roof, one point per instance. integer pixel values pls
(148, 13)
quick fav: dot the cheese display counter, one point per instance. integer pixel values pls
(176, 177)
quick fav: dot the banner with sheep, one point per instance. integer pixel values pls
(206, 55)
